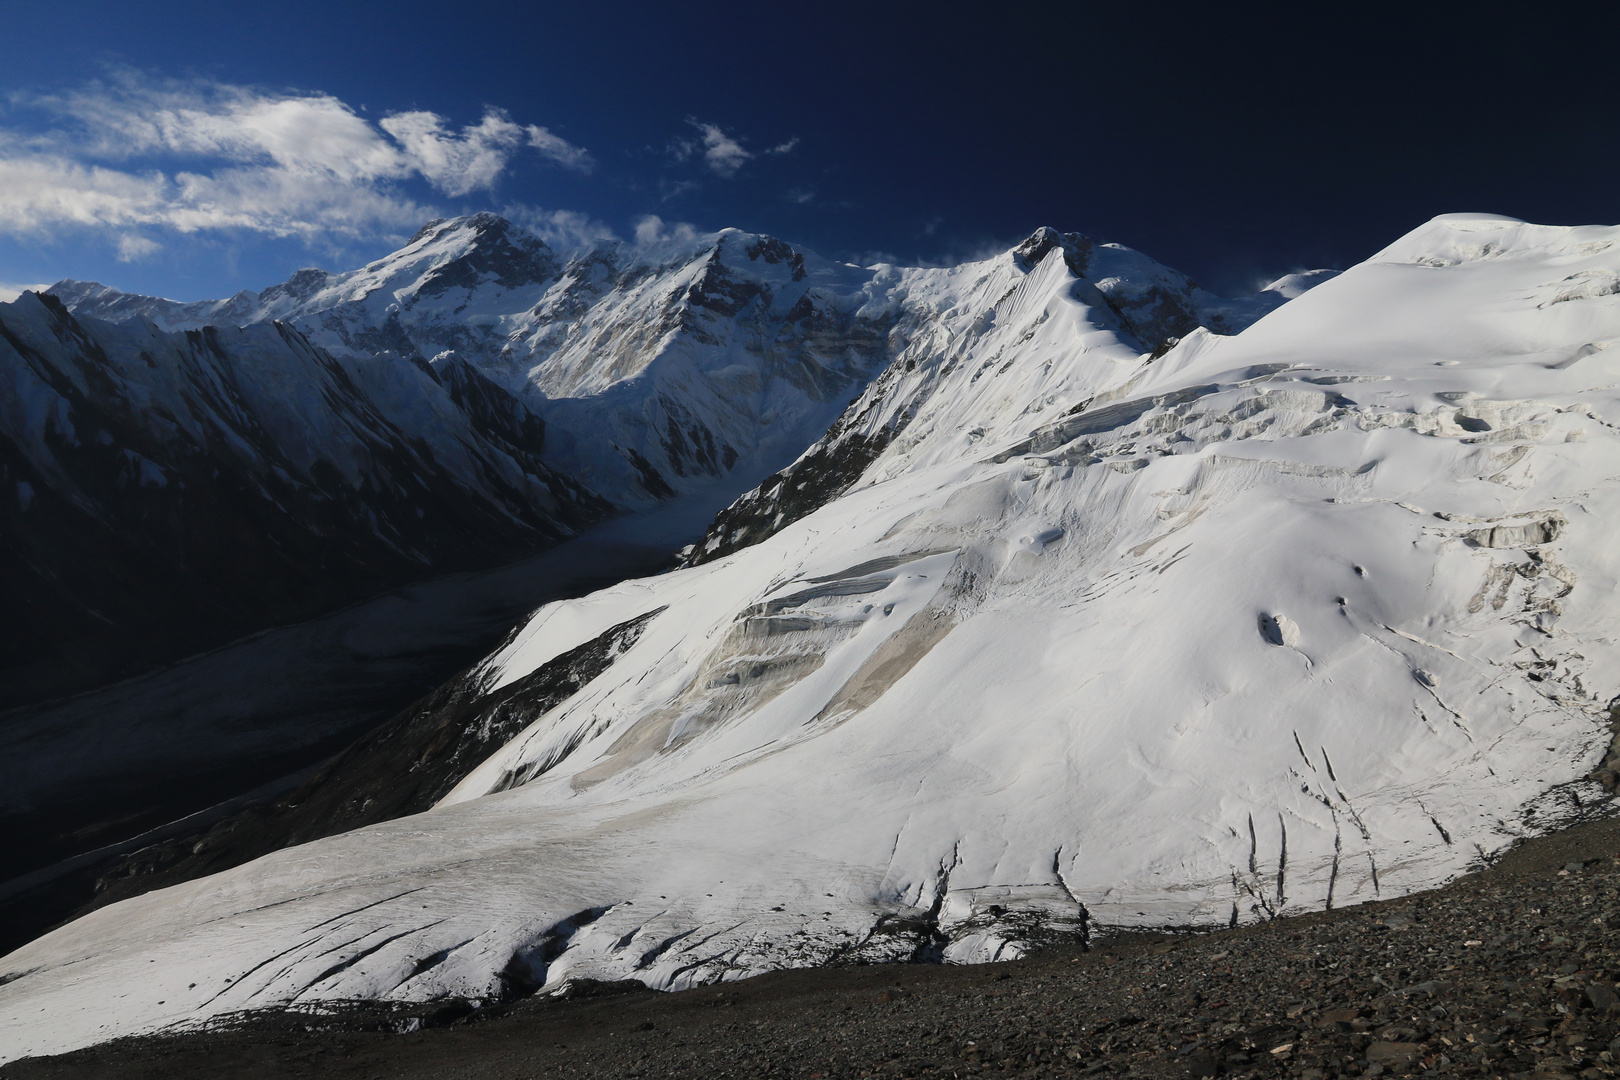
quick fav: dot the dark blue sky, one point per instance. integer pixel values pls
(1234, 146)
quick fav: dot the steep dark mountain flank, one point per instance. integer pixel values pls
(166, 493)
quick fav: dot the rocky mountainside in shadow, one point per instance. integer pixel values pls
(165, 492)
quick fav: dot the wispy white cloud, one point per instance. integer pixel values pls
(454, 163)
(559, 149)
(129, 154)
(40, 193)
(722, 153)
(652, 229)
(801, 195)
(562, 229)
(128, 117)
(40, 188)
(132, 247)
(674, 189)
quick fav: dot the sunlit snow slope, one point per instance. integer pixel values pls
(1316, 613)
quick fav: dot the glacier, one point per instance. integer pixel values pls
(1095, 630)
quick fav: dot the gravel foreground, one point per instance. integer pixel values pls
(1507, 973)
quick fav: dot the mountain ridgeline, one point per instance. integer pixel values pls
(664, 366)
(184, 473)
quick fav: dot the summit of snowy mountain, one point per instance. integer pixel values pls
(1045, 634)
(1290, 286)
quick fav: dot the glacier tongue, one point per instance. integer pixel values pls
(1308, 615)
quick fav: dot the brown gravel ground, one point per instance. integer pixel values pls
(1506, 973)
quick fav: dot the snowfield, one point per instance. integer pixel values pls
(1295, 618)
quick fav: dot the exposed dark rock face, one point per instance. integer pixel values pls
(500, 417)
(1152, 307)
(1608, 771)
(161, 494)
(1076, 249)
(825, 472)
(301, 286)
(798, 350)
(502, 253)
(1156, 314)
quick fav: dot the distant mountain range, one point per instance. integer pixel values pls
(657, 366)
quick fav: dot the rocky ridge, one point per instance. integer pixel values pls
(1140, 302)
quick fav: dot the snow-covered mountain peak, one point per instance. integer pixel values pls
(1157, 303)
(111, 305)
(757, 247)
(1454, 239)
(471, 251)
(1290, 286)
(1075, 247)
(301, 286)
(444, 264)
(666, 364)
